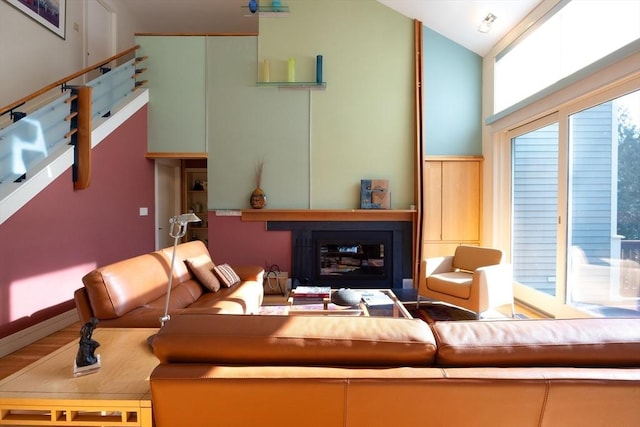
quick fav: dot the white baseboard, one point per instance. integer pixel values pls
(34, 333)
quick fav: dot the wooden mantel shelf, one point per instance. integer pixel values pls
(327, 215)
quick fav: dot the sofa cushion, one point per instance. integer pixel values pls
(202, 268)
(118, 288)
(568, 342)
(295, 340)
(184, 251)
(226, 275)
(469, 258)
(242, 298)
(456, 283)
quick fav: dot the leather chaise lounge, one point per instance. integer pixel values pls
(132, 293)
(319, 371)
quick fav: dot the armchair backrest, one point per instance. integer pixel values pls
(469, 258)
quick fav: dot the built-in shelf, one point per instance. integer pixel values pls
(295, 85)
(269, 10)
(327, 215)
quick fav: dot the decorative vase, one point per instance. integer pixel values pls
(258, 199)
(253, 6)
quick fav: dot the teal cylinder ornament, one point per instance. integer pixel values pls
(319, 69)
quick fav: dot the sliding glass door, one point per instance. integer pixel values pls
(535, 208)
(604, 207)
(583, 166)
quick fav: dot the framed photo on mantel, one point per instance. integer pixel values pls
(49, 13)
(374, 194)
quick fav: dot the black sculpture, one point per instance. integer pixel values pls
(86, 353)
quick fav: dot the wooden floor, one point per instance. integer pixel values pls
(25, 356)
(19, 359)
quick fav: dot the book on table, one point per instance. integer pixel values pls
(374, 298)
(312, 292)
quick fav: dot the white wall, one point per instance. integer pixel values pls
(32, 56)
(126, 26)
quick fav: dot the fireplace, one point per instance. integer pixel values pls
(353, 254)
(347, 257)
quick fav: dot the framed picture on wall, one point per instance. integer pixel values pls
(49, 13)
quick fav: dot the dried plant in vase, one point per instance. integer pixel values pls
(258, 199)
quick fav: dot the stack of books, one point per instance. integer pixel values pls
(311, 293)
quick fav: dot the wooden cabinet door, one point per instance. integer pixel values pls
(432, 216)
(452, 198)
(461, 201)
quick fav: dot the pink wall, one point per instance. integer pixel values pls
(62, 234)
(238, 242)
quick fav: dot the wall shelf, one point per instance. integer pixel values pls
(269, 11)
(294, 85)
(327, 215)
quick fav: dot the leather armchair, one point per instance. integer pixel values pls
(473, 278)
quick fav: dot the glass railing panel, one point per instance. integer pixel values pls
(111, 88)
(30, 140)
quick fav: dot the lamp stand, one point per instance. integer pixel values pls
(177, 231)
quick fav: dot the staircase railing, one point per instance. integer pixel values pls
(44, 122)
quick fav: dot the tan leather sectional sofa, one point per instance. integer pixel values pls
(316, 371)
(132, 293)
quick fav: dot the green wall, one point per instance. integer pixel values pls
(248, 123)
(316, 144)
(175, 74)
(361, 125)
(452, 97)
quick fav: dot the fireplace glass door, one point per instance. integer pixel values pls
(348, 260)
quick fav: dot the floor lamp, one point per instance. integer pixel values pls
(178, 228)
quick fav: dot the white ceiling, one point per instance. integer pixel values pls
(457, 20)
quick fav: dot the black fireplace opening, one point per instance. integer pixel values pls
(349, 254)
(353, 258)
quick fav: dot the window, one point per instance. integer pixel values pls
(590, 261)
(535, 208)
(604, 206)
(573, 35)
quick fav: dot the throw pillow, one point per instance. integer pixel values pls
(227, 276)
(202, 267)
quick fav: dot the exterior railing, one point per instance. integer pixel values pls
(630, 250)
(630, 269)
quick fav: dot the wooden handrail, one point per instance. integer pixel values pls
(64, 80)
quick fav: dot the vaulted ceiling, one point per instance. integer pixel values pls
(457, 20)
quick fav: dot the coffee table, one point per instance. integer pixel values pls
(47, 393)
(394, 308)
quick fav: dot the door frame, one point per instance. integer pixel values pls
(161, 198)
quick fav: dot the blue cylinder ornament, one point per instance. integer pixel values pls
(319, 69)
(276, 5)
